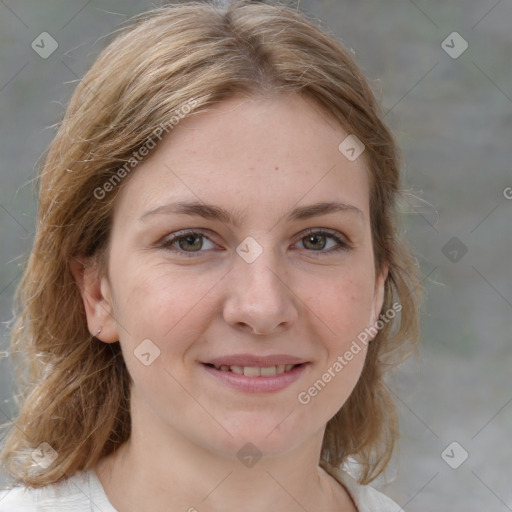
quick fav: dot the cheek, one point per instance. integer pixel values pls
(167, 307)
(343, 312)
(343, 302)
(170, 311)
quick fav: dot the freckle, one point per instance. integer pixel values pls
(277, 168)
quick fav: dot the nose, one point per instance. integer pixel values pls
(259, 300)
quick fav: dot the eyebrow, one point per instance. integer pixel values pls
(212, 212)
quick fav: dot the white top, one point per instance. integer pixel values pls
(83, 492)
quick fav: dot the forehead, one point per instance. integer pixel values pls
(262, 155)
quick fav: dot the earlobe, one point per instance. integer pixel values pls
(95, 292)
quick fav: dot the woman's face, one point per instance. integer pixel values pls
(227, 249)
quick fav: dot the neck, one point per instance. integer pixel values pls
(158, 469)
(134, 481)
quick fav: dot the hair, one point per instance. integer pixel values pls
(73, 389)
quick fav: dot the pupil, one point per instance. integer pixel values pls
(314, 239)
(189, 239)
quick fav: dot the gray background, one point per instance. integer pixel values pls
(453, 119)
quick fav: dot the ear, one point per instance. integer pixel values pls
(378, 295)
(97, 298)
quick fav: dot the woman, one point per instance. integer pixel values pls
(217, 286)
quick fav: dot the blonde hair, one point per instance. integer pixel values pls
(165, 59)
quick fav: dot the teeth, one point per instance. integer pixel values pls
(251, 371)
(254, 371)
(269, 371)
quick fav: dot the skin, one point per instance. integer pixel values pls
(258, 158)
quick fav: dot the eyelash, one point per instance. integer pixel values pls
(168, 244)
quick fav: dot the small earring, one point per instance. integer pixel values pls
(98, 331)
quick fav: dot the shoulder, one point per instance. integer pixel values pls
(20, 499)
(366, 498)
(74, 494)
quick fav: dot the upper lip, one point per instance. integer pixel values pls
(255, 361)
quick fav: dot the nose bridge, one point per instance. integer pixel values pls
(259, 272)
(258, 295)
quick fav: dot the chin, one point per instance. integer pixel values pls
(270, 437)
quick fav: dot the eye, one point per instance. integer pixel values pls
(319, 240)
(188, 243)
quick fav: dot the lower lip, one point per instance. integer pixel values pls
(257, 384)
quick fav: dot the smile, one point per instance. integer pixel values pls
(256, 371)
(256, 379)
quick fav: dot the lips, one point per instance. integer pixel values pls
(256, 371)
(250, 360)
(250, 365)
(260, 376)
